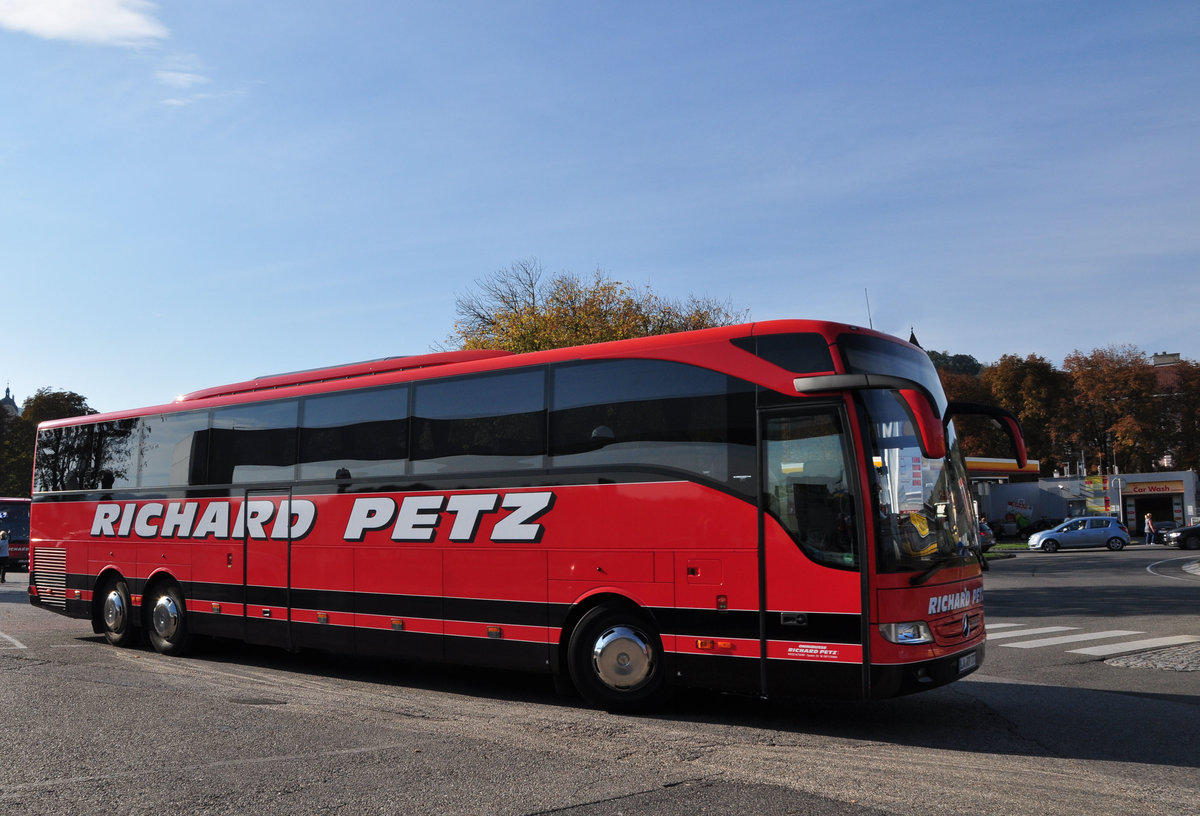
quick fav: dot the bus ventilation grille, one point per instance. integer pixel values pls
(50, 574)
(951, 630)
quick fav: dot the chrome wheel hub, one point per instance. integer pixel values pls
(165, 617)
(622, 658)
(114, 611)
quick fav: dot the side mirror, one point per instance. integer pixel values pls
(1004, 420)
(931, 431)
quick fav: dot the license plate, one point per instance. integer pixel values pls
(966, 663)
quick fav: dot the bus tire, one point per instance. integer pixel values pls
(615, 659)
(116, 613)
(167, 615)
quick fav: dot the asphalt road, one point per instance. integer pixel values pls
(1038, 730)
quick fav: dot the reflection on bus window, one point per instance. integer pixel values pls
(355, 434)
(923, 504)
(808, 488)
(650, 412)
(480, 423)
(253, 443)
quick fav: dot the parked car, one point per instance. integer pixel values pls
(1087, 531)
(1161, 528)
(987, 539)
(1185, 538)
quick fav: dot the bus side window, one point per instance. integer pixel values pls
(610, 413)
(494, 421)
(355, 434)
(807, 486)
(253, 443)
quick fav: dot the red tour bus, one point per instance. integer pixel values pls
(14, 520)
(777, 509)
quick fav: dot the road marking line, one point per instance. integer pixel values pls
(1055, 641)
(1045, 630)
(1136, 645)
(16, 644)
(991, 626)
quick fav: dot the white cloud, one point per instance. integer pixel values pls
(103, 22)
(181, 79)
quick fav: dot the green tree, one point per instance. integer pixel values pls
(957, 363)
(522, 309)
(47, 404)
(19, 433)
(14, 463)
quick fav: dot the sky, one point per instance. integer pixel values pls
(194, 194)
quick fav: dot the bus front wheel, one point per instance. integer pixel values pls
(116, 614)
(168, 620)
(616, 659)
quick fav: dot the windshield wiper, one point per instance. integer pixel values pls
(941, 563)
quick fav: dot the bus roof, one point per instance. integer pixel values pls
(345, 372)
(704, 347)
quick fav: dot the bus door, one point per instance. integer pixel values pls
(813, 600)
(266, 554)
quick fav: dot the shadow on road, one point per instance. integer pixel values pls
(981, 716)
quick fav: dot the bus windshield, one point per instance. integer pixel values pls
(924, 508)
(14, 518)
(923, 505)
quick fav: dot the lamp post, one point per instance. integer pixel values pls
(1117, 483)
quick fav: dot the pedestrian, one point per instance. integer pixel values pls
(1149, 531)
(3, 555)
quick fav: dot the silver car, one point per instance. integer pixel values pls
(1088, 531)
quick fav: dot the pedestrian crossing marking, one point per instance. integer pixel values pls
(1136, 645)
(1055, 641)
(1019, 630)
(1044, 630)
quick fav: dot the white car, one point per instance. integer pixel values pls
(1087, 531)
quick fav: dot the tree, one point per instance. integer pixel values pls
(1115, 417)
(957, 363)
(47, 404)
(521, 309)
(14, 465)
(19, 433)
(1181, 415)
(978, 436)
(1040, 397)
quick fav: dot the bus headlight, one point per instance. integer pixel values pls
(906, 634)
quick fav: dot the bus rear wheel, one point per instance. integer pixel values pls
(615, 659)
(116, 614)
(168, 620)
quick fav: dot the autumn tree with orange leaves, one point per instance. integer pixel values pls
(1041, 398)
(1110, 409)
(522, 309)
(1116, 413)
(1181, 417)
